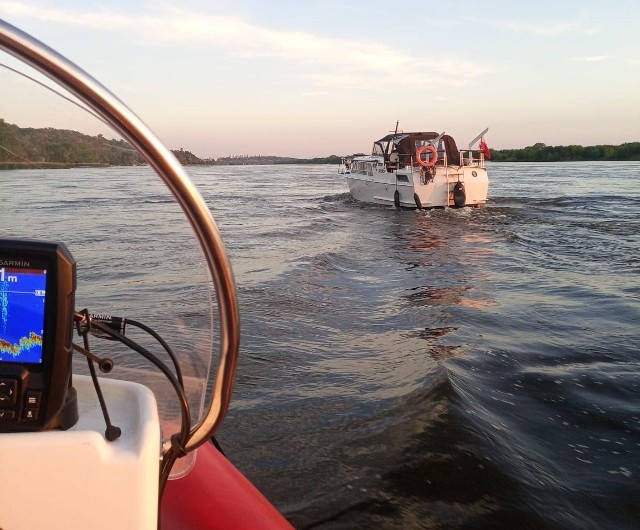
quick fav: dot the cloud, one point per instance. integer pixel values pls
(345, 62)
(543, 28)
(593, 58)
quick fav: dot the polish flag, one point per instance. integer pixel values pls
(485, 149)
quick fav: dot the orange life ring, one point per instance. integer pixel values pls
(434, 156)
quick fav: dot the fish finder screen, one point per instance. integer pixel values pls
(22, 306)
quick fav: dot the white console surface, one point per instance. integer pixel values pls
(76, 479)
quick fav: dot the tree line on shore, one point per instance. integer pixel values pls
(24, 147)
(27, 147)
(50, 148)
(567, 153)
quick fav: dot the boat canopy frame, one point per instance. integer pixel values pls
(406, 145)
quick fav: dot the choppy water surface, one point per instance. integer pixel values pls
(445, 369)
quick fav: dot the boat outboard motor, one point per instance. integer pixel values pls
(459, 195)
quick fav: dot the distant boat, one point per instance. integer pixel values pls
(420, 170)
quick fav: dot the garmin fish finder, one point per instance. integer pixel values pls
(37, 291)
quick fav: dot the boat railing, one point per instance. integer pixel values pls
(345, 166)
(363, 167)
(442, 161)
(115, 113)
(469, 157)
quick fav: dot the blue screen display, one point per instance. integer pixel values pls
(22, 311)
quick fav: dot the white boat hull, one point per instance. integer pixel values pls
(378, 186)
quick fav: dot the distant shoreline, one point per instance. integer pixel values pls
(570, 153)
(44, 165)
(27, 148)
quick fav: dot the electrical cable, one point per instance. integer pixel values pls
(180, 438)
(184, 405)
(162, 342)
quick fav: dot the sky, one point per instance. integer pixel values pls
(319, 77)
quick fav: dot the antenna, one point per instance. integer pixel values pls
(477, 138)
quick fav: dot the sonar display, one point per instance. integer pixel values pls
(22, 299)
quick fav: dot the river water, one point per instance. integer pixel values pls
(474, 368)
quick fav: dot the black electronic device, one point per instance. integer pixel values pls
(37, 293)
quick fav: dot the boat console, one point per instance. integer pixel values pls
(76, 478)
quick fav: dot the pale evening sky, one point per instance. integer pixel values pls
(314, 78)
